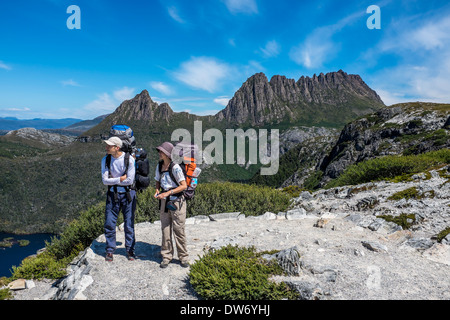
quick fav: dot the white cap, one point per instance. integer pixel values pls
(114, 141)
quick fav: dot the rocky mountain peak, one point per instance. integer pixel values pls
(142, 107)
(323, 98)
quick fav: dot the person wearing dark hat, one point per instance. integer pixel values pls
(119, 177)
(170, 183)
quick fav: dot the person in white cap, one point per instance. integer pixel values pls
(118, 171)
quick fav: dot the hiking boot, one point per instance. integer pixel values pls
(184, 263)
(109, 257)
(164, 264)
(131, 256)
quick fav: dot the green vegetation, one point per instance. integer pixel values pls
(411, 193)
(23, 243)
(403, 220)
(250, 200)
(234, 273)
(443, 234)
(390, 167)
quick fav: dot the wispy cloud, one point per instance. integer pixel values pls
(242, 6)
(4, 66)
(272, 49)
(25, 109)
(222, 100)
(124, 93)
(106, 102)
(70, 82)
(315, 50)
(422, 49)
(205, 73)
(161, 87)
(319, 46)
(173, 13)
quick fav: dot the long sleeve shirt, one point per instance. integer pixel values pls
(117, 170)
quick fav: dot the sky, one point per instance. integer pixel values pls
(56, 62)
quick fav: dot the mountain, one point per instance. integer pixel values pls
(406, 128)
(401, 129)
(332, 99)
(10, 123)
(82, 126)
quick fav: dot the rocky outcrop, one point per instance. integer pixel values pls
(335, 97)
(46, 138)
(141, 107)
(409, 128)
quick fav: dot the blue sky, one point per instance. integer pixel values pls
(195, 54)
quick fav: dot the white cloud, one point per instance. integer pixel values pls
(242, 6)
(123, 94)
(106, 103)
(103, 104)
(272, 49)
(173, 13)
(319, 46)
(4, 66)
(17, 109)
(203, 73)
(315, 50)
(223, 100)
(422, 49)
(161, 87)
(70, 82)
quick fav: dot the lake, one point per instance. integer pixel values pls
(14, 255)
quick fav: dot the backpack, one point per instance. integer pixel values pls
(125, 133)
(142, 181)
(188, 155)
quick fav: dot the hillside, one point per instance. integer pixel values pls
(401, 129)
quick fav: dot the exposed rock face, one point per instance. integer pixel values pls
(328, 98)
(142, 107)
(49, 139)
(409, 128)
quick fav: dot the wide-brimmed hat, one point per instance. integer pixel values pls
(166, 148)
(114, 141)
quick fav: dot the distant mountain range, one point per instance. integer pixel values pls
(70, 126)
(11, 123)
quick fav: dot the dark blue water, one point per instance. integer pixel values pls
(13, 256)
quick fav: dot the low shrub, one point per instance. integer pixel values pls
(390, 167)
(250, 200)
(403, 220)
(235, 273)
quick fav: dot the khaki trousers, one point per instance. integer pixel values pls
(173, 222)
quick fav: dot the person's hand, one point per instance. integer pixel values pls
(122, 178)
(156, 194)
(161, 195)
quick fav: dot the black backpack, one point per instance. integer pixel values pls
(142, 180)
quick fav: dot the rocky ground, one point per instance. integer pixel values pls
(346, 251)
